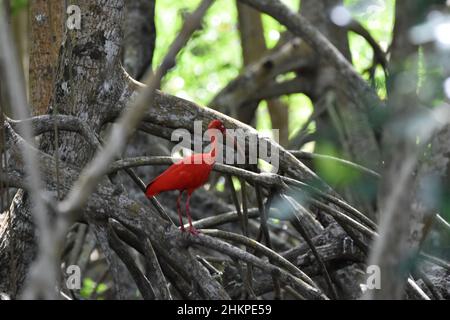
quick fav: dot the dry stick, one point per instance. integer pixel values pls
(265, 232)
(177, 280)
(294, 293)
(43, 278)
(418, 273)
(130, 234)
(143, 284)
(156, 276)
(314, 251)
(435, 260)
(296, 278)
(249, 275)
(209, 266)
(415, 289)
(64, 296)
(248, 290)
(245, 229)
(336, 201)
(5, 161)
(46, 123)
(129, 120)
(311, 156)
(275, 257)
(199, 277)
(344, 218)
(262, 215)
(79, 241)
(441, 222)
(214, 221)
(245, 211)
(153, 200)
(347, 223)
(235, 199)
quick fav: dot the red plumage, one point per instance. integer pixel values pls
(183, 175)
(188, 174)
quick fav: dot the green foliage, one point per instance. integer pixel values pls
(213, 57)
(300, 109)
(263, 123)
(89, 286)
(272, 29)
(210, 60)
(377, 16)
(332, 171)
(17, 5)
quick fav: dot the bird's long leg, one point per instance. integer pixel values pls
(191, 229)
(179, 211)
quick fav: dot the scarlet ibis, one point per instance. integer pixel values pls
(188, 174)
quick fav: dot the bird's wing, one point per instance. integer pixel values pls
(183, 175)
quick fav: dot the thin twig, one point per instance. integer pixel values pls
(156, 276)
(434, 260)
(314, 251)
(138, 181)
(418, 273)
(214, 221)
(344, 218)
(46, 123)
(244, 223)
(272, 255)
(235, 199)
(173, 275)
(305, 288)
(263, 216)
(145, 288)
(311, 156)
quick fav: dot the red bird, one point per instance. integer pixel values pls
(188, 174)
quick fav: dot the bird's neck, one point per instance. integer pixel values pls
(213, 151)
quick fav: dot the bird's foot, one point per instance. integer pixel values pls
(193, 231)
(182, 228)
